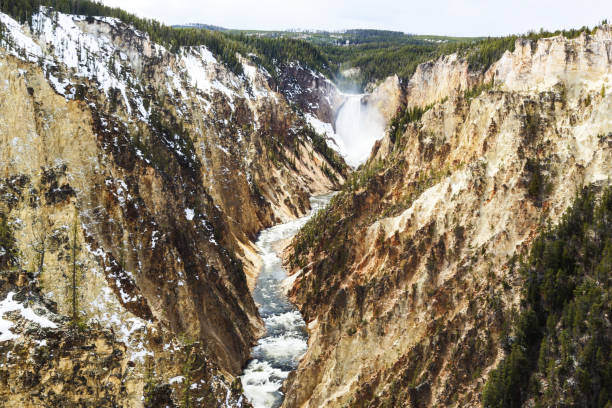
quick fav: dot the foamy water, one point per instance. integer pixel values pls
(358, 127)
(285, 341)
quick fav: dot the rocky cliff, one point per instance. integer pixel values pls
(407, 281)
(146, 173)
(436, 80)
(134, 179)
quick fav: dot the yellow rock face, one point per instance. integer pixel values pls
(154, 176)
(407, 309)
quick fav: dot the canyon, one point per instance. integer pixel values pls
(174, 233)
(165, 196)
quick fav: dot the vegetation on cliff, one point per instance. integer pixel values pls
(219, 44)
(320, 145)
(225, 46)
(400, 121)
(386, 56)
(9, 254)
(376, 53)
(329, 228)
(483, 53)
(558, 350)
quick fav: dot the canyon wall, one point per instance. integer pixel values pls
(149, 173)
(407, 281)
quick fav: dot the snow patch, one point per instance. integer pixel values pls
(202, 71)
(10, 305)
(189, 214)
(176, 380)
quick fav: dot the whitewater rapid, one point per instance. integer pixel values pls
(285, 342)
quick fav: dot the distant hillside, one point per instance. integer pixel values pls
(201, 26)
(350, 37)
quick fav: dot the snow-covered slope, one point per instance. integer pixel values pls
(168, 164)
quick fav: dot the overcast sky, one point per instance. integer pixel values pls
(444, 17)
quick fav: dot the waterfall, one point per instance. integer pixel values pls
(358, 127)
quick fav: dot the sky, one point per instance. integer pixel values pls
(442, 17)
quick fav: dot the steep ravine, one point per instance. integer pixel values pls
(359, 122)
(148, 196)
(280, 349)
(158, 168)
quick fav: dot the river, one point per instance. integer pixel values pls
(279, 351)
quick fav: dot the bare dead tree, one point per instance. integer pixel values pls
(75, 278)
(40, 232)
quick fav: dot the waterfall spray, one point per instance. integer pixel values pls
(358, 127)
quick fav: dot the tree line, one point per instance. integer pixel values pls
(378, 60)
(224, 46)
(558, 350)
(377, 53)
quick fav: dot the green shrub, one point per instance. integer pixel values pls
(536, 180)
(400, 121)
(477, 90)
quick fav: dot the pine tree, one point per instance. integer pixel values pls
(187, 379)
(150, 381)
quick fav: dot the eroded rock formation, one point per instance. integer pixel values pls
(408, 279)
(156, 169)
